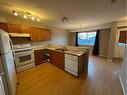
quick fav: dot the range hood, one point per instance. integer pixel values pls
(19, 34)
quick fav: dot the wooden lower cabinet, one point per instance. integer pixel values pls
(40, 56)
(57, 58)
(73, 64)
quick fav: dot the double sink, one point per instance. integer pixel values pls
(70, 51)
(61, 49)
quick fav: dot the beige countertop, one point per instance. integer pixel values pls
(71, 50)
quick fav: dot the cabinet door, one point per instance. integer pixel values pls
(34, 34)
(13, 28)
(24, 29)
(41, 34)
(40, 56)
(37, 34)
(3, 26)
(37, 56)
(47, 34)
(57, 58)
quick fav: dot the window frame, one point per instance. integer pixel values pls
(87, 32)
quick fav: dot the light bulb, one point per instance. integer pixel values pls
(25, 16)
(15, 13)
(38, 19)
(32, 18)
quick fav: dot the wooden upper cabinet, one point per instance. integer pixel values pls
(3, 26)
(34, 34)
(47, 34)
(39, 34)
(24, 29)
(13, 28)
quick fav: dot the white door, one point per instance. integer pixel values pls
(4, 42)
(2, 91)
(10, 71)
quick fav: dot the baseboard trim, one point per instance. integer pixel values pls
(103, 56)
(122, 85)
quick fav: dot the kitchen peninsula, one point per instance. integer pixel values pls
(71, 59)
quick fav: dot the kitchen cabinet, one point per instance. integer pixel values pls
(39, 34)
(3, 26)
(71, 63)
(24, 29)
(56, 58)
(36, 34)
(13, 28)
(40, 56)
(47, 34)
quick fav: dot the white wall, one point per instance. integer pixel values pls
(59, 36)
(91, 28)
(104, 42)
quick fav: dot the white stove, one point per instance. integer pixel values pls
(24, 57)
(21, 47)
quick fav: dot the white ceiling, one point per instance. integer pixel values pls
(79, 12)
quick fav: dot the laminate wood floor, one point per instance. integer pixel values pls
(46, 79)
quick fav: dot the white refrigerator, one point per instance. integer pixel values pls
(7, 66)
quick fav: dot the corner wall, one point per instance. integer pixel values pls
(104, 42)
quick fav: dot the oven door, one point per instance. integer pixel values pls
(24, 58)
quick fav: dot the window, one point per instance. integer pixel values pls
(86, 38)
(122, 37)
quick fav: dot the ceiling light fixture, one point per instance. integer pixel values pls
(32, 18)
(15, 13)
(64, 19)
(25, 16)
(38, 19)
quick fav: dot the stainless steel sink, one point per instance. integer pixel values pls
(61, 49)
